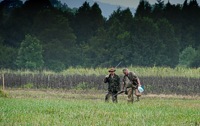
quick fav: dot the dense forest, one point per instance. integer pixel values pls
(46, 34)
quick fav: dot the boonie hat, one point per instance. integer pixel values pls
(112, 70)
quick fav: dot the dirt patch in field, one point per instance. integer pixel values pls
(81, 94)
(172, 96)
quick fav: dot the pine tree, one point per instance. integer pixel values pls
(143, 9)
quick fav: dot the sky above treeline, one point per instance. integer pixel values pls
(122, 3)
(108, 6)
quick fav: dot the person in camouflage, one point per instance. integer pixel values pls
(113, 81)
(130, 84)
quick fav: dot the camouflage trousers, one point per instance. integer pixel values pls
(130, 97)
(114, 97)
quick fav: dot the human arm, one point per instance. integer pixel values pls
(123, 85)
(135, 79)
(105, 80)
(138, 81)
(124, 89)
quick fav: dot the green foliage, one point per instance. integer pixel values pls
(168, 44)
(196, 60)
(187, 56)
(3, 94)
(154, 36)
(143, 9)
(99, 71)
(55, 65)
(87, 21)
(28, 86)
(7, 56)
(30, 54)
(82, 86)
(57, 38)
(146, 37)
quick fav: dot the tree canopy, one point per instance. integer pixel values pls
(30, 54)
(161, 34)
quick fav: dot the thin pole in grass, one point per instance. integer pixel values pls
(3, 82)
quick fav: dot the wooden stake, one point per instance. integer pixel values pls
(3, 81)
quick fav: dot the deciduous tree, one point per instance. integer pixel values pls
(30, 54)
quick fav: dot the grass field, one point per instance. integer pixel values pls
(80, 108)
(140, 71)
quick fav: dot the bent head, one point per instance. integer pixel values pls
(125, 71)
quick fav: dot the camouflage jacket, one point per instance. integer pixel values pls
(129, 79)
(113, 83)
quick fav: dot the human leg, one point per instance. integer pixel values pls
(138, 94)
(114, 97)
(107, 97)
(130, 95)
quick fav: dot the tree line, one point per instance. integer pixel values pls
(46, 34)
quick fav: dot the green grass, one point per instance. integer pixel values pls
(3, 93)
(71, 108)
(140, 71)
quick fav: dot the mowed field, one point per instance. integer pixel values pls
(87, 108)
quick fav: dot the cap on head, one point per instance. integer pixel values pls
(112, 70)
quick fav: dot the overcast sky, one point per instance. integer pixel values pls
(126, 3)
(108, 6)
(134, 3)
